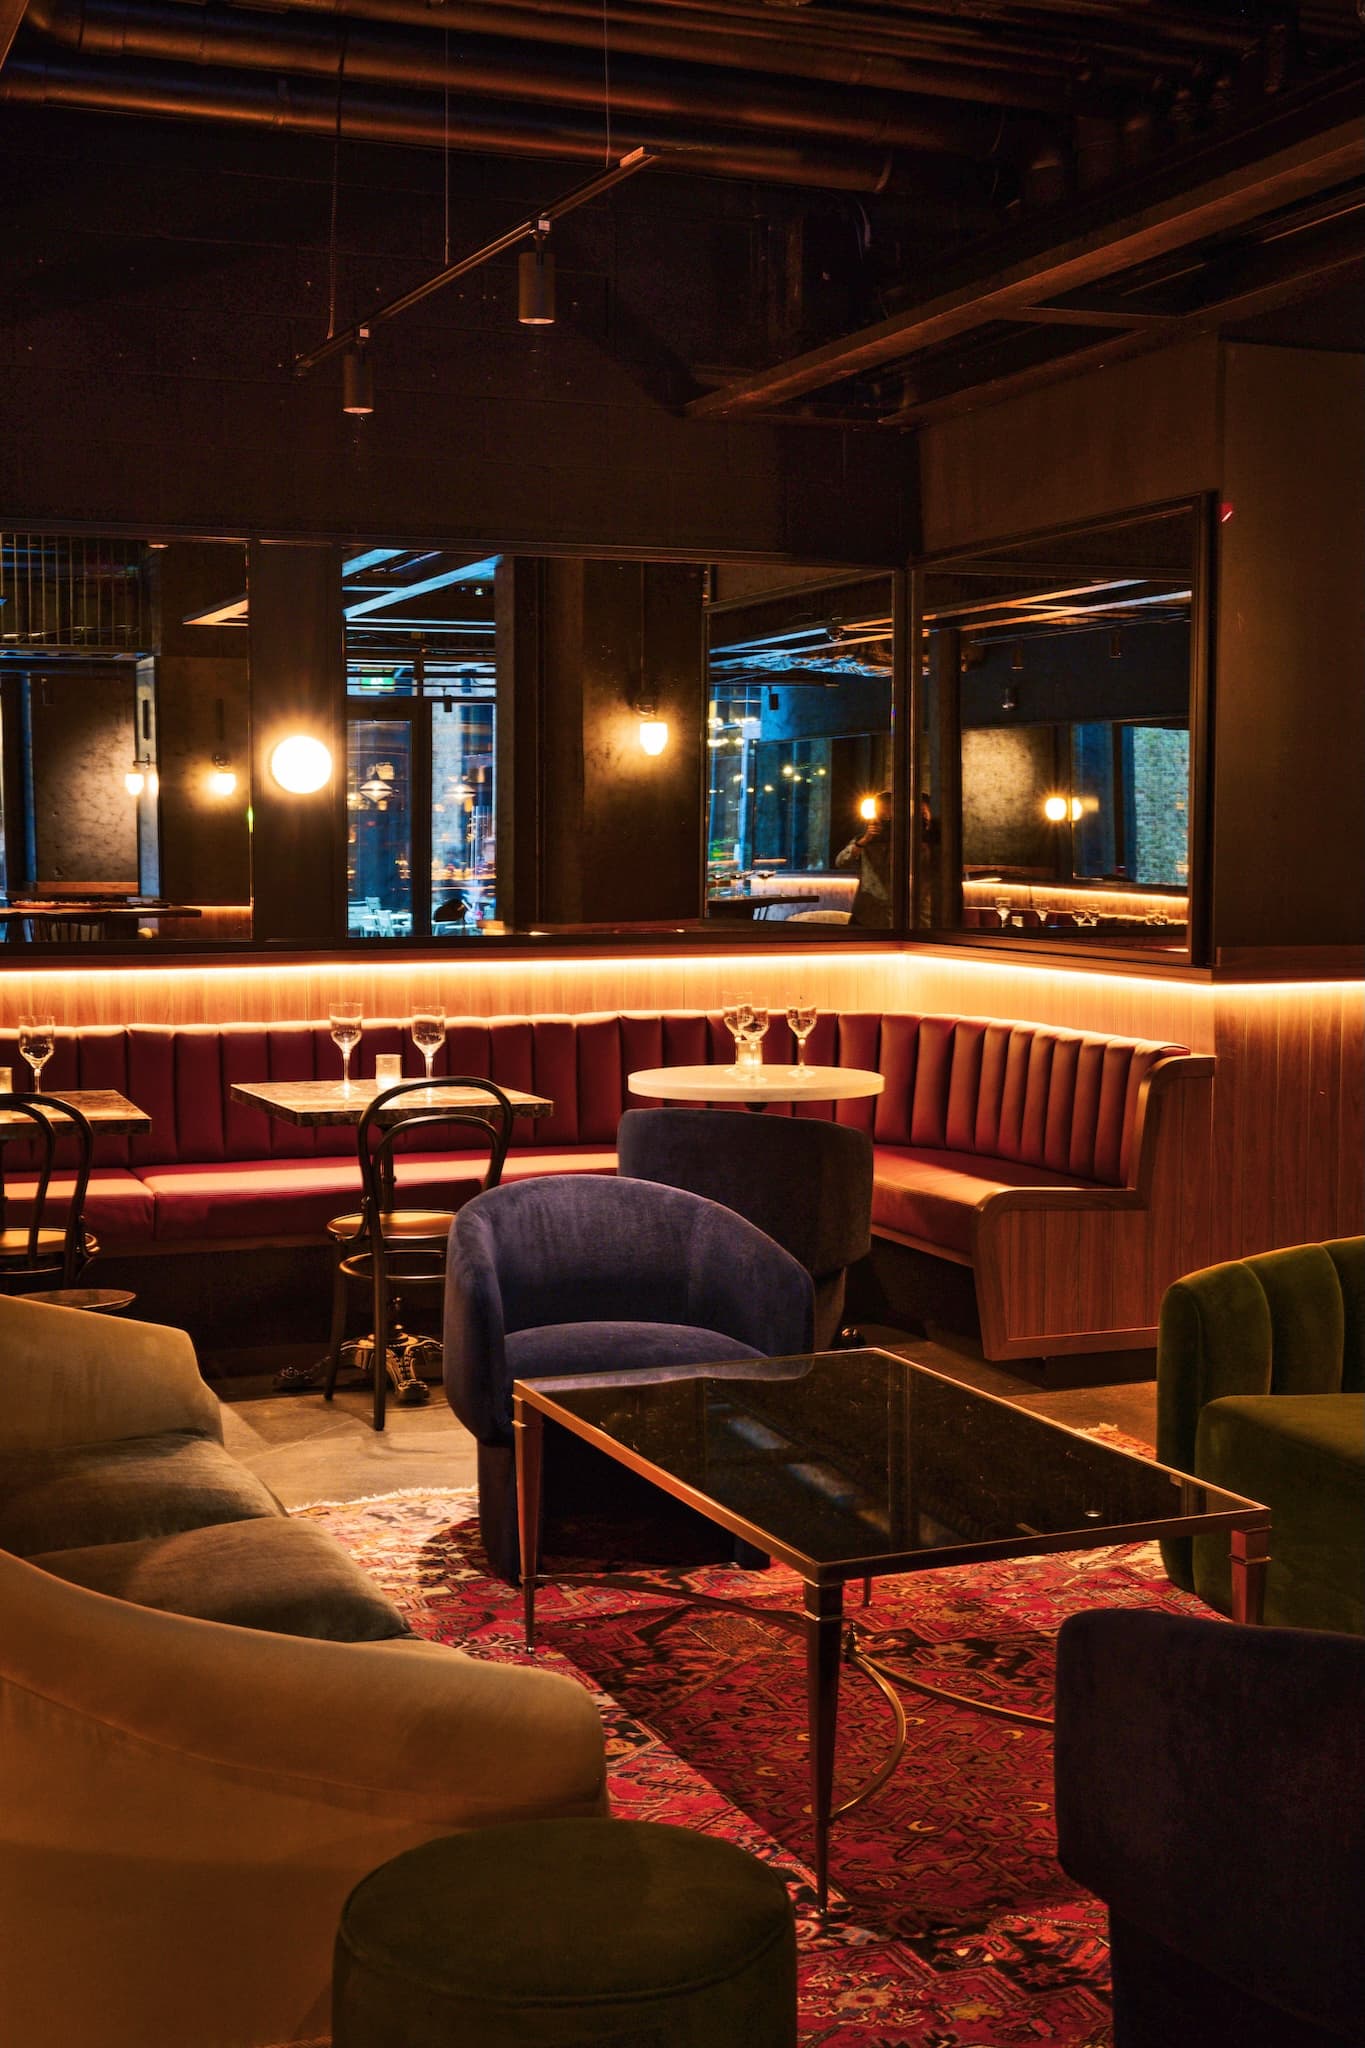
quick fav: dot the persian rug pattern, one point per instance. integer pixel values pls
(951, 1924)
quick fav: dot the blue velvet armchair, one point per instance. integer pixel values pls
(594, 1273)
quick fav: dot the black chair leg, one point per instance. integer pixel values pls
(338, 1336)
(381, 1342)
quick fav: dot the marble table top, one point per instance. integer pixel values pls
(317, 1103)
(764, 1083)
(105, 1108)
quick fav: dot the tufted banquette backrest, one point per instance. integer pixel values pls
(1031, 1093)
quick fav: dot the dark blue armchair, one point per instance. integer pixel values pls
(593, 1273)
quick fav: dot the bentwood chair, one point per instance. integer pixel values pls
(805, 1182)
(389, 1247)
(51, 1248)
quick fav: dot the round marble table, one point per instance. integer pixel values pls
(754, 1087)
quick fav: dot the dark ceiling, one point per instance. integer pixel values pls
(1074, 180)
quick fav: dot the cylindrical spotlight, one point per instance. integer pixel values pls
(357, 378)
(536, 286)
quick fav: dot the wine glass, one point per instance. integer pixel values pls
(37, 1043)
(736, 1008)
(753, 1032)
(429, 1035)
(1002, 909)
(345, 1021)
(801, 1017)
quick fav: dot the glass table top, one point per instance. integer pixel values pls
(853, 1461)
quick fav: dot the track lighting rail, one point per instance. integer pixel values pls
(530, 229)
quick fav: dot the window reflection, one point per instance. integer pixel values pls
(798, 740)
(1055, 743)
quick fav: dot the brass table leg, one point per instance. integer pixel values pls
(824, 1644)
(1250, 1563)
(528, 1432)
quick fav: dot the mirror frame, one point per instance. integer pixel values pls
(1202, 509)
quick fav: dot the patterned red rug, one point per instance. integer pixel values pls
(951, 1924)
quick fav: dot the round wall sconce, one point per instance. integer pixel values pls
(301, 764)
(135, 781)
(1056, 809)
(221, 779)
(867, 809)
(654, 734)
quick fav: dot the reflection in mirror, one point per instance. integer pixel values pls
(124, 722)
(421, 692)
(1055, 744)
(799, 748)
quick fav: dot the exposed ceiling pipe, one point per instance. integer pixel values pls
(256, 42)
(776, 56)
(296, 108)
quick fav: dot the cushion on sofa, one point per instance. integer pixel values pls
(930, 1194)
(119, 1208)
(1303, 1457)
(123, 1491)
(269, 1573)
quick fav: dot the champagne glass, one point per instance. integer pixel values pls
(37, 1043)
(736, 1008)
(345, 1020)
(1002, 909)
(801, 1017)
(429, 1035)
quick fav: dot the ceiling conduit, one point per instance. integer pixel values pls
(254, 42)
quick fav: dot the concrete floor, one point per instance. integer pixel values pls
(307, 1450)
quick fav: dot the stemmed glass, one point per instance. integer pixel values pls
(1002, 908)
(345, 1020)
(801, 1017)
(37, 1043)
(429, 1035)
(754, 1030)
(736, 1009)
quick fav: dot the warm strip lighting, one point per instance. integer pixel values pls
(654, 734)
(301, 764)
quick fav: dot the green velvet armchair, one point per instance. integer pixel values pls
(1261, 1389)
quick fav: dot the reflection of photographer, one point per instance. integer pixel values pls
(870, 853)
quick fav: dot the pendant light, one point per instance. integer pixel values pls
(536, 282)
(357, 376)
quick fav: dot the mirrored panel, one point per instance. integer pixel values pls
(1055, 755)
(124, 731)
(798, 741)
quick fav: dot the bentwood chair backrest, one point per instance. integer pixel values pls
(379, 1136)
(34, 1249)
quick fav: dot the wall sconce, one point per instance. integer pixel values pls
(867, 809)
(222, 780)
(653, 731)
(135, 781)
(301, 764)
(536, 282)
(1058, 809)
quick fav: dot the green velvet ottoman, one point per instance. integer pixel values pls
(567, 1934)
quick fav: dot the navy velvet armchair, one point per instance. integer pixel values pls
(806, 1182)
(594, 1273)
(1211, 1790)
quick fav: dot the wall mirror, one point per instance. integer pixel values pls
(1057, 731)
(124, 724)
(799, 686)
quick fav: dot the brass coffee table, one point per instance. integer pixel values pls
(858, 1465)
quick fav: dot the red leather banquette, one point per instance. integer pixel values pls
(1031, 1153)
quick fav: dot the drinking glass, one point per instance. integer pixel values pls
(429, 1035)
(736, 1008)
(751, 1046)
(801, 1017)
(1002, 907)
(37, 1042)
(345, 1020)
